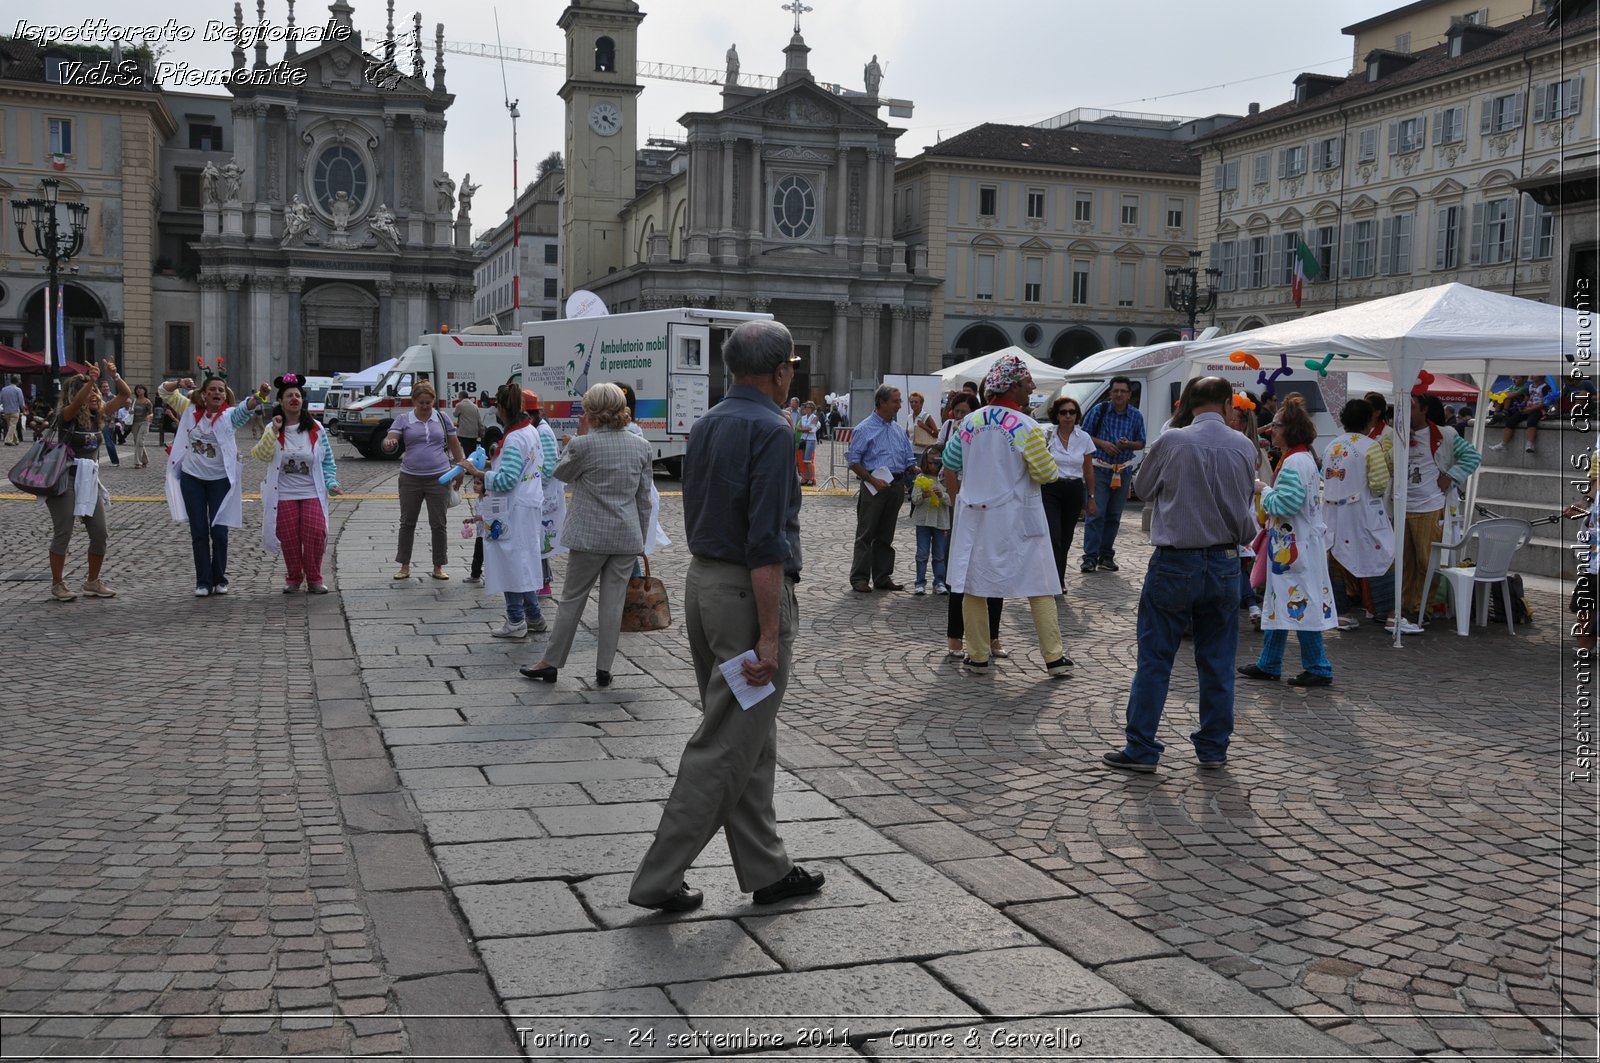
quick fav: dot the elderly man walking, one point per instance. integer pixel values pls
(880, 454)
(1199, 481)
(741, 513)
(12, 403)
(1000, 547)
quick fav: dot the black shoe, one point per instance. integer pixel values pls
(797, 883)
(1110, 566)
(602, 678)
(1122, 762)
(1250, 671)
(684, 900)
(547, 674)
(1211, 765)
(1087, 566)
(1059, 668)
(317, 588)
(1309, 679)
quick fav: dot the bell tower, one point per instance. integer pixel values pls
(601, 94)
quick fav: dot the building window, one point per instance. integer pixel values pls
(794, 207)
(1491, 231)
(1405, 136)
(1228, 176)
(1538, 230)
(1450, 125)
(1083, 206)
(1501, 113)
(205, 137)
(1447, 239)
(1032, 280)
(1558, 99)
(61, 136)
(178, 340)
(1261, 169)
(1402, 42)
(1327, 237)
(1257, 272)
(549, 287)
(547, 315)
(1284, 252)
(189, 190)
(1130, 210)
(339, 169)
(1036, 204)
(1228, 263)
(986, 201)
(605, 55)
(1395, 255)
(550, 253)
(1292, 161)
(1363, 249)
(1367, 144)
(984, 288)
(1174, 213)
(1080, 283)
(1127, 282)
(1327, 154)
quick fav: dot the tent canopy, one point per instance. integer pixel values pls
(367, 378)
(1448, 388)
(1046, 377)
(15, 361)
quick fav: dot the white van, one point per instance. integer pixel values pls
(315, 391)
(672, 359)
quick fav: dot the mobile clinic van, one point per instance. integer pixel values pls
(1158, 373)
(456, 363)
(672, 359)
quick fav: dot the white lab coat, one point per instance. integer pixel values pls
(1000, 543)
(511, 562)
(1362, 539)
(231, 513)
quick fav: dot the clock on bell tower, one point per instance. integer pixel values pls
(601, 93)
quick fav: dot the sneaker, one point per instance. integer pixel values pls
(1348, 623)
(291, 588)
(96, 588)
(940, 588)
(1255, 617)
(1211, 765)
(538, 625)
(797, 883)
(62, 593)
(1109, 566)
(221, 588)
(202, 592)
(545, 592)
(317, 588)
(1530, 449)
(1059, 668)
(1086, 567)
(519, 630)
(473, 581)
(1406, 627)
(1497, 446)
(921, 589)
(971, 667)
(1122, 762)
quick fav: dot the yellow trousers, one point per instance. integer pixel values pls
(975, 616)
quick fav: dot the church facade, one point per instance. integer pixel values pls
(779, 201)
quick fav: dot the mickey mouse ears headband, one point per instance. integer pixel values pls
(288, 380)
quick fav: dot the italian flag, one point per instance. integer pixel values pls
(1305, 269)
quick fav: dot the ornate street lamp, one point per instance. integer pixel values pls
(53, 244)
(1186, 296)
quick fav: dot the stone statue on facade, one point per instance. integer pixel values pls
(465, 196)
(733, 64)
(296, 220)
(382, 224)
(340, 209)
(446, 190)
(208, 184)
(872, 74)
(232, 181)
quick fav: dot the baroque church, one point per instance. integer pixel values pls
(779, 201)
(332, 236)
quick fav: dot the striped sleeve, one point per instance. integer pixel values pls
(551, 452)
(238, 415)
(1036, 451)
(507, 472)
(263, 449)
(1287, 496)
(952, 453)
(1380, 477)
(1466, 460)
(176, 400)
(330, 471)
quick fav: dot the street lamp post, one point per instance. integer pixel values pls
(53, 244)
(1186, 296)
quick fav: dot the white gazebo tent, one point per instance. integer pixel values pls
(1451, 328)
(1046, 377)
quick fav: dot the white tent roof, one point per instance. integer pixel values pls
(367, 377)
(1046, 377)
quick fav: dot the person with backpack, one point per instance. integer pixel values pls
(1117, 428)
(1439, 461)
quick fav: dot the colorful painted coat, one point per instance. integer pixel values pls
(1299, 595)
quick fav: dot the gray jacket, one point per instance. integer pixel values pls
(610, 474)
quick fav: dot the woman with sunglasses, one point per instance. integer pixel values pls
(203, 474)
(301, 475)
(1064, 499)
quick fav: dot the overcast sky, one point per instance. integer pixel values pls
(962, 63)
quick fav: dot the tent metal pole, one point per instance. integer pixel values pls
(1402, 461)
(1480, 421)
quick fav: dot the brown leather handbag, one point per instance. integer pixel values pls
(645, 607)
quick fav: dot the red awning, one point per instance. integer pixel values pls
(1448, 388)
(15, 361)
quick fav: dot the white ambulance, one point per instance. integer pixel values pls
(457, 363)
(672, 359)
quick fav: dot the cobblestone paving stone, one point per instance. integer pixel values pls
(175, 875)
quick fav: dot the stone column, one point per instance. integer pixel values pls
(386, 317)
(233, 330)
(294, 341)
(841, 203)
(869, 228)
(391, 160)
(267, 359)
(758, 199)
(921, 359)
(726, 191)
(839, 362)
(259, 177)
(899, 362)
(291, 152)
(419, 187)
(213, 320)
(871, 314)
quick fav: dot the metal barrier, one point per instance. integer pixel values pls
(839, 435)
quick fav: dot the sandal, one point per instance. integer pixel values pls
(439, 575)
(404, 573)
(1348, 623)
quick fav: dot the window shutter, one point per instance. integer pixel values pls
(1540, 97)
(1275, 262)
(1346, 246)
(1461, 122)
(1405, 229)
(1422, 131)
(1438, 127)
(1530, 227)
(1575, 95)
(1475, 244)
(1516, 111)
(1216, 256)
(1283, 162)
(1485, 114)
(1385, 236)
(1338, 152)
(1441, 235)
(1319, 155)
(1394, 138)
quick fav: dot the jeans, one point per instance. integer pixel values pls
(522, 605)
(109, 434)
(937, 541)
(1198, 588)
(202, 499)
(1313, 653)
(1247, 593)
(1100, 530)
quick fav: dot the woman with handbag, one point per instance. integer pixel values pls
(608, 520)
(83, 419)
(203, 483)
(301, 475)
(431, 448)
(509, 512)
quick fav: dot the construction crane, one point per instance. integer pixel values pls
(696, 75)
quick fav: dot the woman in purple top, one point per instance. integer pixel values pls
(431, 449)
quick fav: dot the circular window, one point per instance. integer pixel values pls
(339, 169)
(794, 207)
(1031, 334)
(1125, 337)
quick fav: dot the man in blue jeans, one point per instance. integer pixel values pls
(1117, 428)
(1199, 482)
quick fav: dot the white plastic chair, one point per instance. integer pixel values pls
(1498, 541)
